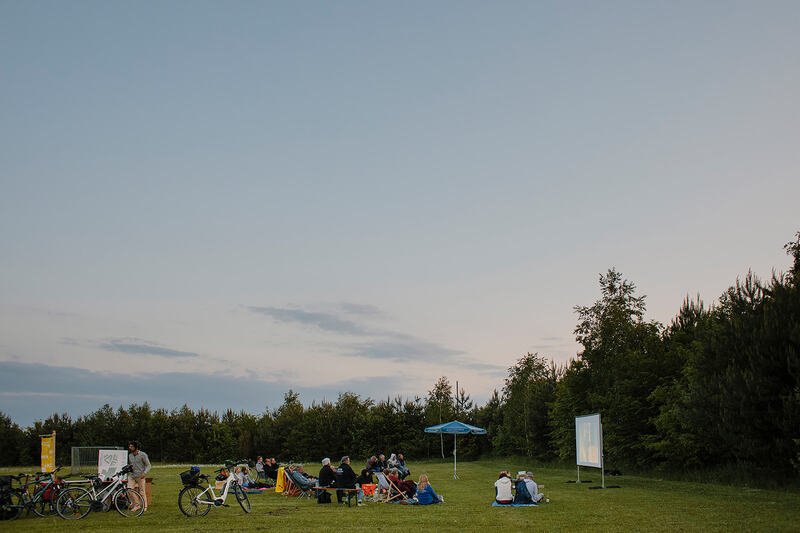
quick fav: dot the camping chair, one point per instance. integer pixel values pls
(300, 485)
(387, 491)
(289, 488)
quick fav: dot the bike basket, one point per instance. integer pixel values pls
(5, 482)
(190, 477)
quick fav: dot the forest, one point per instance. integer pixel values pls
(717, 387)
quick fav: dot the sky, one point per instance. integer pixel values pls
(212, 203)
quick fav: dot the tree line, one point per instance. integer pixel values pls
(718, 386)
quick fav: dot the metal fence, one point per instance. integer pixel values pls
(84, 458)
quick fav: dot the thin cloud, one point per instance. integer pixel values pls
(484, 368)
(324, 321)
(387, 345)
(413, 350)
(143, 348)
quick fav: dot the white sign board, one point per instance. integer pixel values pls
(589, 441)
(109, 462)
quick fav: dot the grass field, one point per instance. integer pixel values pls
(641, 504)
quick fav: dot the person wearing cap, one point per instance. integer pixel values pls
(533, 488)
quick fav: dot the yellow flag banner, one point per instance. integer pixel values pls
(279, 483)
(48, 452)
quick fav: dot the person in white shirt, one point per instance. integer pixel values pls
(502, 488)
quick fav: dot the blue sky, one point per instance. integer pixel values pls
(368, 195)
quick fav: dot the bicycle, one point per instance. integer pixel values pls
(194, 501)
(10, 508)
(34, 496)
(75, 503)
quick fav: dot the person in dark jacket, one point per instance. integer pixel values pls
(382, 463)
(345, 479)
(271, 468)
(327, 478)
(365, 477)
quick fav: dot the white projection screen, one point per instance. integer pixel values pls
(589, 440)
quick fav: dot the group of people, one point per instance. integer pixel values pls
(345, 479)
(526, 489)
(267, 469)
(395, 462)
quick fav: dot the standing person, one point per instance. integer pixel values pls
(141, 466)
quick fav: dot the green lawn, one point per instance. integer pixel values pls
(641, 504)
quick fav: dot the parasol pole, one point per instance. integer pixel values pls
(455, 474)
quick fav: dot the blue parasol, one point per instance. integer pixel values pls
(455, 428)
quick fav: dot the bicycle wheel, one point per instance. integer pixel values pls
(187, 502)
(129, 502)
(74, 503)
(241, 497)
(43, 503)
(10, 505)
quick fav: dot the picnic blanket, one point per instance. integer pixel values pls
(495, 504)
(258, 491)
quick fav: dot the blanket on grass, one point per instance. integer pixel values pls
(495, 504)
(258, 491)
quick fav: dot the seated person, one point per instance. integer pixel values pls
(373, 464)
(271, 469)
(299, 469)
(260, 468)
(533, 488)
(366, 476)
(522, 496)
(245, 477)
(502, 488)
(401, 466)
(408, 488)
(346, 479)
(248, 482)
(382, 463)
(425, 493)
(327, 478)
(392, 462)
(239, 476)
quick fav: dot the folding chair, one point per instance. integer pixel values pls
(289, 487)
(303, 485)
(388, 491)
